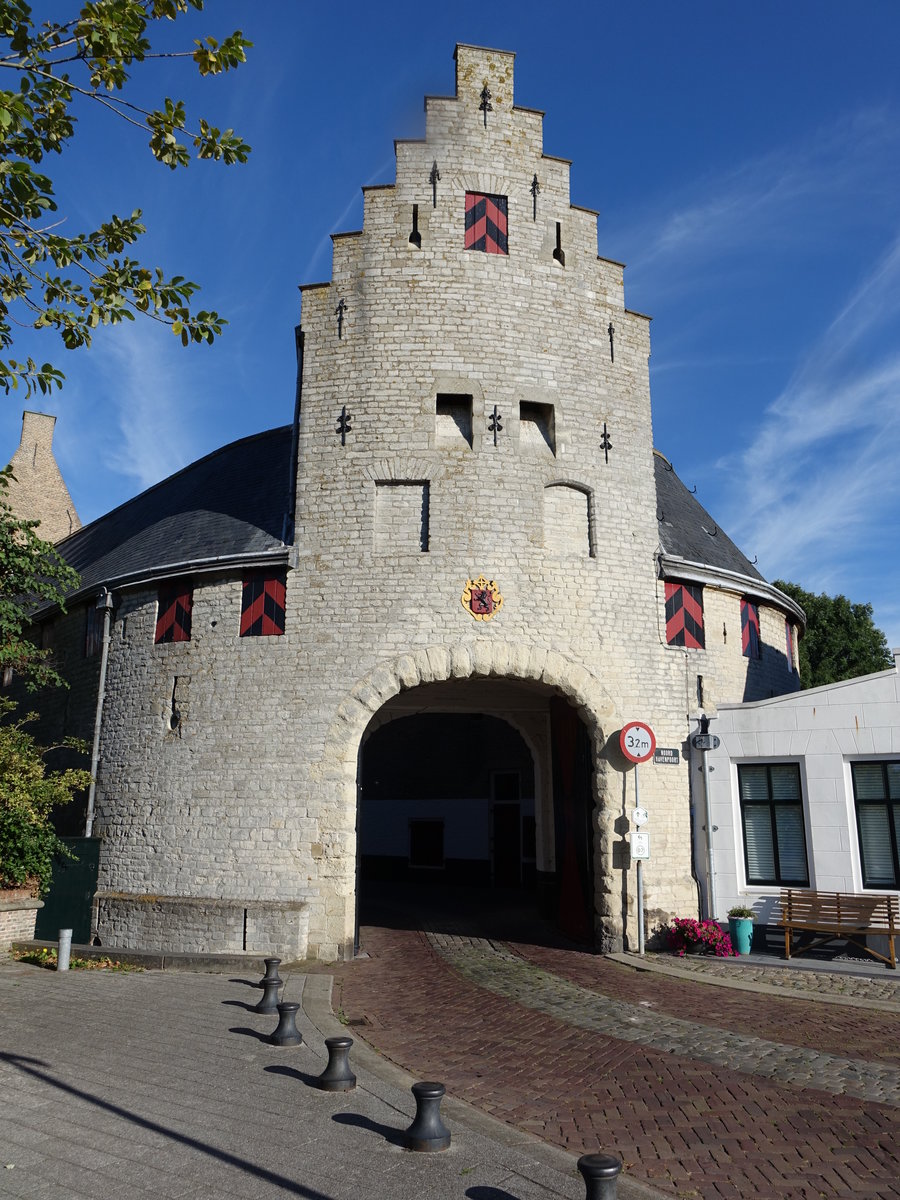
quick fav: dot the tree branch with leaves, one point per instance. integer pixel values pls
(76, 283)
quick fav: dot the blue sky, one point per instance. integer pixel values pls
(745, 159)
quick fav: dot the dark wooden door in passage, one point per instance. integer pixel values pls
(507, 843)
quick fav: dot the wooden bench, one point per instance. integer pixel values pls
(839, 915)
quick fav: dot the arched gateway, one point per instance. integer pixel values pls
(563, 836)
(466, 515)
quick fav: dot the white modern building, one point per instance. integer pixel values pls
(804, 791)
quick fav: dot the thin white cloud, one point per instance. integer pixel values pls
(782, 198)
(813, 491)
(318, 265)
(817, 494)
(149, 389)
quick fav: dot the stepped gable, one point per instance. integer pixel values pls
(687, 531)
(232, 504)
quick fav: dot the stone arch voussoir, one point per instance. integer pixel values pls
(469, 660)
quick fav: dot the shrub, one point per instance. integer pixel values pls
(28, 794)
(742, 912)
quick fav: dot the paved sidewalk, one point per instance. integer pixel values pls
(704, 1091)
(157, 1084)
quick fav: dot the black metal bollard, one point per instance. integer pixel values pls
(428, 1131)
(287, 1033)
(337, 1076)
(269, 1002)
(600, 1173)
(272, 965)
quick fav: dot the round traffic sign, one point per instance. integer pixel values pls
(637, 741)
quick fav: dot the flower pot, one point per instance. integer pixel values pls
(740, 930)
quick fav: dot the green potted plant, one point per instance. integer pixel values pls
(740, 927)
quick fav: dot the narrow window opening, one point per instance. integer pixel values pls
(537, 426)
(174, 712)
(559, 253)
(415, 237)
(453, 418)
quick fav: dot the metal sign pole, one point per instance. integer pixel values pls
(640, 875)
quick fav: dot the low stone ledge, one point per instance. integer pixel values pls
(206, 901)
(18, 913)
(154, 960)
(204, 925)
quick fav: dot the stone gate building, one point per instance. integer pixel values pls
(399, 636)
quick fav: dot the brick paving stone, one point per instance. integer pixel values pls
(687, 1125)
(503, 972)
(785, 1020)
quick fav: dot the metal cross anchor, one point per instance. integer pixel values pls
(339, 313)
(605, 443)
(343, 425)
(485, 106)
(433, 180)
(535, 188)
(494, 424)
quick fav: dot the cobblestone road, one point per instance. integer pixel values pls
(498, 969)
(703, 1091)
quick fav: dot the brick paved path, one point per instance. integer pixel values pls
(728, 1116)
(884, 987)
(837, 1029)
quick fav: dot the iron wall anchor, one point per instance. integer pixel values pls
(286, 1032)
(428, 1131)
(337, 1076)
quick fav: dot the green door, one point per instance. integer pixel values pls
(68, 903)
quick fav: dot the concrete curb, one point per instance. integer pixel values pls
(316, 1001)
(159, 960)
(740, 985)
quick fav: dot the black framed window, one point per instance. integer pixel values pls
(876, 793)
(772, 823)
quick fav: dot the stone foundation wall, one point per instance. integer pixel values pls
(204, 925)
(18, 911)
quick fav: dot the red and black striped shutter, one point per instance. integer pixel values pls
(93, 631)
(262, 606)
(684, 615)
(750, 629)
(486, 223)
(173, 615)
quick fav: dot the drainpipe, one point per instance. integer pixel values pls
(704, 741)
(104, 605)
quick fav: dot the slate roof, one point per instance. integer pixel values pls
(686, 529)
(231, 503)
